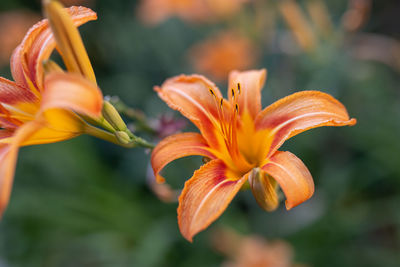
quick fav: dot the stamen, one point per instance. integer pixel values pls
(212, 92)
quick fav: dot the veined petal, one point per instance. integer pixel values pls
(292, 176)
(38, 44)
(250, 84)
(205, 196)
(11, 93)
(17, 104)
(197, 98)
(8, 159)
(177, 146)
(73, 92)
(297, 113)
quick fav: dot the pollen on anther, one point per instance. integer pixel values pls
(212, 92)
(233, 93)
(237, 108)
(238, 87)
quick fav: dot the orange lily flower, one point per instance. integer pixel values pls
(39, 108)
(242, 142)
(252, 250)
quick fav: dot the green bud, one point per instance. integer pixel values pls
(113, 117)
(122, 137)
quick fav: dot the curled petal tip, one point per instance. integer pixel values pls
(288, 205)
(352, 122)
(157, 89)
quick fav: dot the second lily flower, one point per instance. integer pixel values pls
(242, 143)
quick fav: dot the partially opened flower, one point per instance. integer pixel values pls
(41, 106)
(242, 143)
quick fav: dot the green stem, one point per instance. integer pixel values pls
(135, 115)
(109, 137)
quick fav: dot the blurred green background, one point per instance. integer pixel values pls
(84, 202)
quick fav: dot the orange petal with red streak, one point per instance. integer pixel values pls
(11, 93)
(205, 196)
(72, 92)
(292, 176)
(299, 112)
(251, 83)
(177, 146)
(37, 46)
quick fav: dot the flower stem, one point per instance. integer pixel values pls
(110, 137)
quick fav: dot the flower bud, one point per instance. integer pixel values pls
(113, 117)
(122, 137)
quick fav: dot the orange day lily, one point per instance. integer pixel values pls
(42, 104)
(242, 142)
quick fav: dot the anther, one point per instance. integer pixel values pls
(238, 87)
(212, 92)
(237, 108)
(222, 102)
(233, 93)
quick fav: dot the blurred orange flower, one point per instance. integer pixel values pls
(14, 25)
(242, 142)
(39, 108)
(77, 2)
(252, 251)
(155, 11)
(298, 24)
(220, 54)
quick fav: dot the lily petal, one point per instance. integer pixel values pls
(177, 146)
(8, 159)
(69, 41)
(250, 83)
(197, 98)
(292, 176)
(205, 196)
(37, 46)
(11, 93)
(299, 112)
(55, 125)
(17, 104)
(73, 92)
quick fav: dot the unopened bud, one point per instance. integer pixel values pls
(122, 137)
(113, 117)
